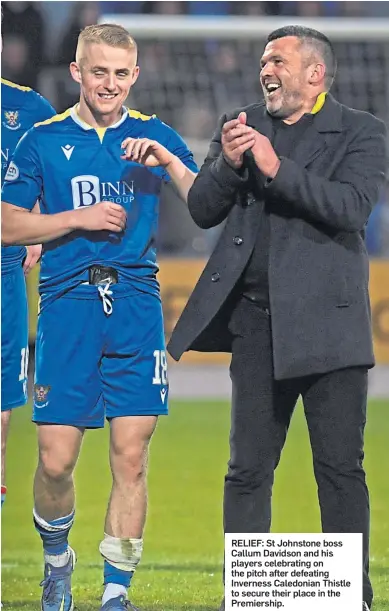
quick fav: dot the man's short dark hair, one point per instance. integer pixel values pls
(317, 41)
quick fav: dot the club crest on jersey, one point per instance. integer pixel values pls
(40, 395)
(11, 119)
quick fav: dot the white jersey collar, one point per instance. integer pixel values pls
(76, 118)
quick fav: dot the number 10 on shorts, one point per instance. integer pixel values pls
(160, 372)
(24, 368)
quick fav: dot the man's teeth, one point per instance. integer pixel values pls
(107, 96)
(272, 87)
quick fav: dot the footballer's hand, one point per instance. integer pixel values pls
(237, 138)
(104, 216)
(146, 152)
(33, 255)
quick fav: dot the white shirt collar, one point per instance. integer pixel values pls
(76, 118)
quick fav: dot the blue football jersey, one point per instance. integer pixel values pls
(21, 107)
(68, 165)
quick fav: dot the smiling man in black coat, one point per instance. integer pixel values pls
(286, 289)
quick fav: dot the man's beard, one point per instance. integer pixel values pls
(290, 103)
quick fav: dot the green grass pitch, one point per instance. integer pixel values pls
(181, 566)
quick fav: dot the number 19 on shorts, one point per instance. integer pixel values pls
(160, 372)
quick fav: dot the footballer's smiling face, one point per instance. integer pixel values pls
(285, 76)
(106, 75)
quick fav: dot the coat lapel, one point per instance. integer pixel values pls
(314, 140)
(311, 145)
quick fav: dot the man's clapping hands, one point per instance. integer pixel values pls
(238, 137)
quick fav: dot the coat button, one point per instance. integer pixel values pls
(250, 200)
(215, 277)
(237, 240)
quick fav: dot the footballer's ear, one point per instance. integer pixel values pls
(135, 74)
(75, 72)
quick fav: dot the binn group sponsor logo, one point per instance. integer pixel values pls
(88, 190)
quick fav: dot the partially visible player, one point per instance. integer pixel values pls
(21, 107)
(100, 352)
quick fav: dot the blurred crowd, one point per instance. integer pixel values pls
(302, 9)
(38, 34)
(189, 83)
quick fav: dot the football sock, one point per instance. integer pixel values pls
(115, 576)
(3, 494)
(58, 560)
(112, 590)
(121, 557)
(54, 534)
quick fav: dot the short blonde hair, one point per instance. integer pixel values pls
(110, 34)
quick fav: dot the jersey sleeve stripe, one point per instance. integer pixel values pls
(135, 114)
(14, 85)
(60, 117)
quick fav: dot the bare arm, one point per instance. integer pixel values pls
(19, 226)
(151, 153)
(36, 209)
(34, 251)
(182, 177)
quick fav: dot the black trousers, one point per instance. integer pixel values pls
(335, 409)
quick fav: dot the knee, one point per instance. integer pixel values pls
(129, 462)
(341, 457)
(252, 466)
(56, 467)
(333, 468)
(248, 477)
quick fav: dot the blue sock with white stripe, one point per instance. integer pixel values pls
(54, 533)
(112, 574)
